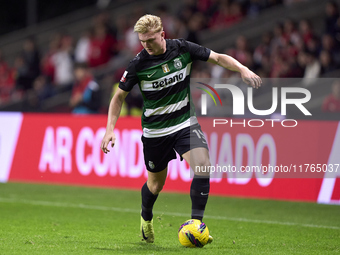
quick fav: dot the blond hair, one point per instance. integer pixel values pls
(148, 23)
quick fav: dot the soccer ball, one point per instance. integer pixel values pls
(193, 233)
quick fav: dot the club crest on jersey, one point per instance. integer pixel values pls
(177, 63)
(151, 165)
(165, 68)
(123, 79)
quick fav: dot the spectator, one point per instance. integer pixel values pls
(208, 8)
(291, 52)
(85, 97)
(279, 40)
(168, 20)
(241, 52)
(313, 45)
(328, 43)
(226, 15)
(63, 64)
(102, 46)
(326, 61)
(6, 80)
(31, 56)
(332, 15)
(132, 42)
(195, 24)
(28, 64)
(103, 19)
(312, 68)
(332, 101)
(82, 49)
(22, 82)
(306, 30)
(47, 65)
(236, 14)
(290, 32)
(181, 30)
(42, 89)
(266, 65)
(263, 48)
(337, 32)
(186, 10)
(279, 66)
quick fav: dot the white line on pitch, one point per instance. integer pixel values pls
(117, 209)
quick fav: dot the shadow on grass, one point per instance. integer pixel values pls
(138, 247)
(104, 249)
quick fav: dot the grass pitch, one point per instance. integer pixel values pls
(42, 219)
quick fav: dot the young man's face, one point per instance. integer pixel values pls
(79, 73)
(153, 42)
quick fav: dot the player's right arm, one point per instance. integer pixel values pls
(128, 80)
(114, 111)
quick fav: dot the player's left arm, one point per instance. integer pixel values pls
(232, 64)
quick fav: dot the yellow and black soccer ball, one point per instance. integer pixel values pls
(193, 233)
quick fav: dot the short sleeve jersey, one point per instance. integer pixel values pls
(164, 81)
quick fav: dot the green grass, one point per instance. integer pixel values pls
(43, 219)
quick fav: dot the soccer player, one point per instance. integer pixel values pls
(162, 71)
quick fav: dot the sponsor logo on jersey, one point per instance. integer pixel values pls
(165, 68)
(151, 74)
(123, 79)
(167, 81)
(177, 63)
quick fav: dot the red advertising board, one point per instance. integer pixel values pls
(65, 149)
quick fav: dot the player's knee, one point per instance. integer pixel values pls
(203, 162)
(156, 187)
(202, 167)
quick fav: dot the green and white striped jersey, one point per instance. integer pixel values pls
(164, 81)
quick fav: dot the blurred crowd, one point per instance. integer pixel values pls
(292, 49)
